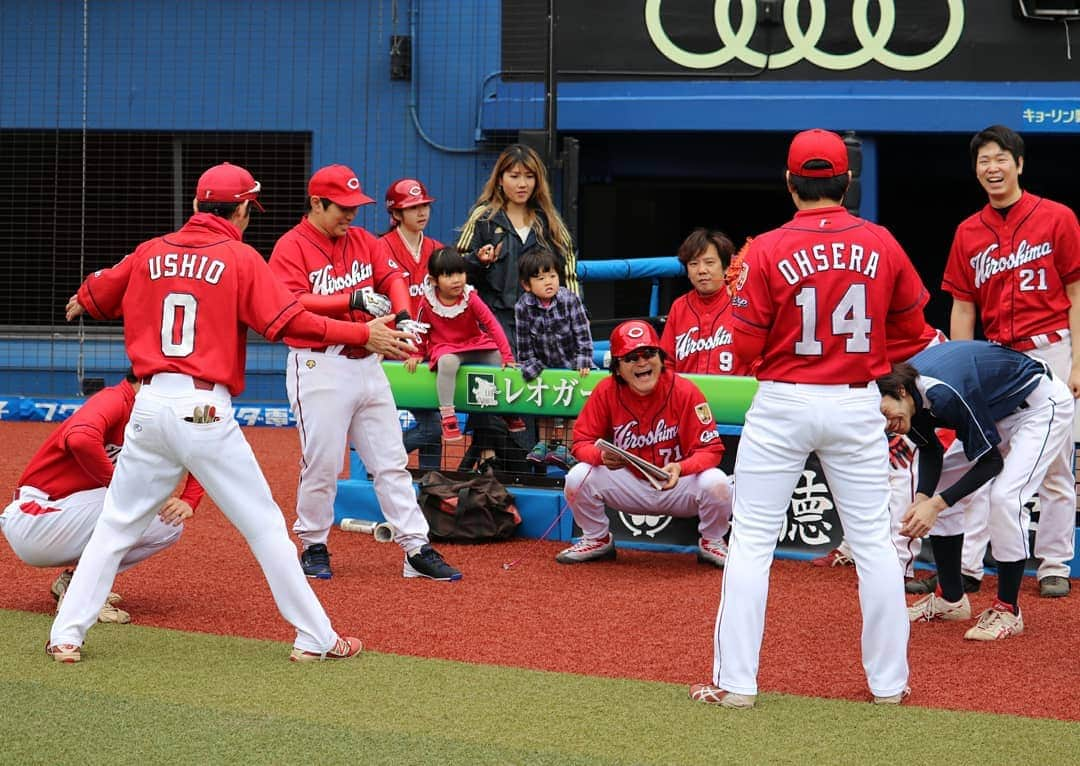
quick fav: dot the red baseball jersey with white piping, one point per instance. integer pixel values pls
(1016, 268)
(671, 424)
(902, 346)
(413, 270)
(697, 335)
(816, 294)
(81, 453)
(306, 260)
(188, 298)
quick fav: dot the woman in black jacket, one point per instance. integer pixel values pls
(513, 214)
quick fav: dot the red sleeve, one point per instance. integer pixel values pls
(702, 443)
(263, 303)
(307, 330)
(398, 292)
(594, 422)
(325, 305)
(193, 492)
(667, 338)
(753, 302)
(86, 431)
(103, 291)
(1067, 247)
(88, 450)
(488, 321)
(958, 279)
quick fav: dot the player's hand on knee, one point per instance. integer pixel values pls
(392, 344)
(920, 517)
(174, 511)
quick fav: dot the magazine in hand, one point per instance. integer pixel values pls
(655, 476)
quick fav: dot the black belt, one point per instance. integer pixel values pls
(200, 383)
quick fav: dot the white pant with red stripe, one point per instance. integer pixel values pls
(845, 427)
(53, 533)
(158, 446)
(591, 488)
(336, 399)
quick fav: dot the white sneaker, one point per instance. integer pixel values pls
(996, 623)
(934, 607)
(711, 694)
(893, 699)
(588, 549)
(712, 552)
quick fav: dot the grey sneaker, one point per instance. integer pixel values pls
(588, 549)
(428, 562)
(1054, 586)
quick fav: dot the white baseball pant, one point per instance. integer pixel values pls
(591, 488)
(903, 482)
(1055, 542)
(53, 533)
(845, 427)
(158, 445)
(1030, 443)
(335, 399)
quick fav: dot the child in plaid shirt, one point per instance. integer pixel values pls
(552, 330)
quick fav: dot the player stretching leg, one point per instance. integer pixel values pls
(188, 299)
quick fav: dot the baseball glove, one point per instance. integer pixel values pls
(735, 268)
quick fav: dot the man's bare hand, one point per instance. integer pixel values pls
(175, 511)
(393, 344)
(611, 460)
(920, 516)
(73, 309)
(674, 471)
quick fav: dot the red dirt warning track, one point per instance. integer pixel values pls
(646, 615)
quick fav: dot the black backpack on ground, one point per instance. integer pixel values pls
(472, 509)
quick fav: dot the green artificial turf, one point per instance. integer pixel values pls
(145, 695)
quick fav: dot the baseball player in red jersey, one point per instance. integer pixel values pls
(697, 335)
(61, 493)
(813, 301)
(340, 393)
(188, 299)
(409, 205)
(647, 410)
(1017, 264)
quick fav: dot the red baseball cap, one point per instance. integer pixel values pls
(631, 335)
(817, 144)
(228, 183)
(338, 184)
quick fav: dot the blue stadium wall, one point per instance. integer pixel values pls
(323, 68)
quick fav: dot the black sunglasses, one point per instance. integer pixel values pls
(641, 353)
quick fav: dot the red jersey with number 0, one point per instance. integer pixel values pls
(412, 270)
(1016, 268)
(697, 335)
(671, 424)
(187, 300)
(820, 290)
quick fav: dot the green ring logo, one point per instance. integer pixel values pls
(736, 42)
